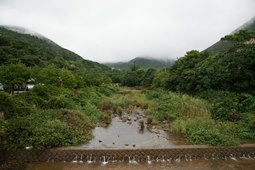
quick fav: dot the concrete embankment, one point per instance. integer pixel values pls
(82, 154)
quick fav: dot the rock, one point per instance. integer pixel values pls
(129, 123)
(133, 145)
(99, 141)
(126, 144)
(149, 120)
(154, 130)
(124, 119)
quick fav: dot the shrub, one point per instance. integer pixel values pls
(106, 117)
(59, 102)
(227, 105)
(201, 132)
(46, 129)
(92, 112)
(6, 104)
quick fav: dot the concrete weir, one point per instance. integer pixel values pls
(90, 155)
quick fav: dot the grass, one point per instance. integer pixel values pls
(125, 99)
(192, 117)
(170, 106)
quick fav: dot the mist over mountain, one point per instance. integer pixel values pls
(224, 45)
(20, 45)
(143, 62)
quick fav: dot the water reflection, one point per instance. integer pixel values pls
(128, 134)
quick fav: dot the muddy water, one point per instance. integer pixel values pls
(182, 165)
(125, 132)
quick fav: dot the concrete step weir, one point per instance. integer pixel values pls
(131, 155)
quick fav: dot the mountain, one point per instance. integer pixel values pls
(19, 45)
(143, 62)
(224, 45)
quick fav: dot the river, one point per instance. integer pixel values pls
(125, 132)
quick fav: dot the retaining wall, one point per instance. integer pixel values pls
(17, 159)
(143, 154)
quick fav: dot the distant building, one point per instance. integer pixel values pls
(30, 86)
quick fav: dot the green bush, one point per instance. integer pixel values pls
(246, 126)
(107, 89)
(59, 102)
(7, 104)
(227, 105)
(48, 128)
(153, 94)
(213, 133)
(200, 131)
(92, 112)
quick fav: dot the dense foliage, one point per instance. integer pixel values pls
(192, 117)
(61, 109)
(224, 44)
(231, 71)
(211, 100)
(38, 51)
(49, 116)
(226, 81)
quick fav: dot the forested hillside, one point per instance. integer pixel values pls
(143, 62)
(33, 50)
(224, 45)
(61, 108)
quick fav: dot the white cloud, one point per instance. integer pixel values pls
(115, 30)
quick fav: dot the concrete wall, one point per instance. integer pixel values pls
(17, 159)
(85, 154)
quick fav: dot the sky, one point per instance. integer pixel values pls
(120, 30)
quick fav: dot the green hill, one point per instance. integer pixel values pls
(61, 106)
(17, 45)
(224, 45)
(143, 62)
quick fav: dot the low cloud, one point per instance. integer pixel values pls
(119, 30)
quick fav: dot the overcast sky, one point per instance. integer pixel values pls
(119, 30)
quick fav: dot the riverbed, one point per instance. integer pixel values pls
(125, 132)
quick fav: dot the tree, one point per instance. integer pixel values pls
(160, 78)
(148, 77)
(133, 77)
(241, 36)
(13, 74)
(182, 73)
(49, 75)
(67, 79)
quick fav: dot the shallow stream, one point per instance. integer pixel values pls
(125, 131)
